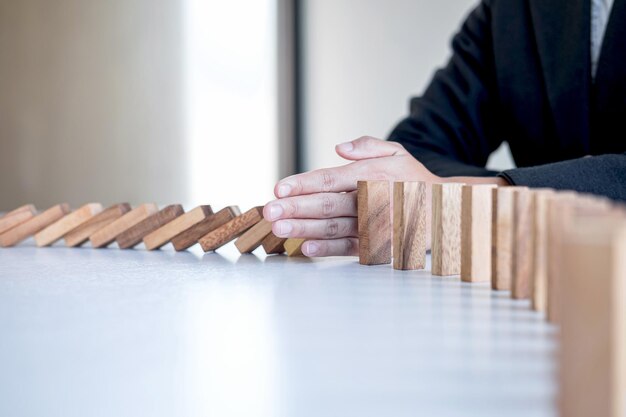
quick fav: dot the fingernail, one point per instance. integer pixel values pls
(284, 190)
(346, 147)
(312, 249)
(284, 228)
(276, 210)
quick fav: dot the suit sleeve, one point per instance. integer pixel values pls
(453, 128)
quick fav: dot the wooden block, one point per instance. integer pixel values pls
(253, 238)
(273, 244)
(539, 281)
(502, 237)
(374, 222)
(63, 226)
(16, 217)
(34, 225)
(522, 259)
(446, 229)
(82, 233)
(293, 247)
(191, 236)
(105, 236)
(167, 232)
(229, 231)
(592, 369)
(409, 225)
(476, 220)
(133, 236)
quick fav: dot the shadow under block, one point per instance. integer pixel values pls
(293, 247)
(539, 281)
(592, 369)
(409, 225)
(105, 236)
(273, 244)
(61, 227)
(167, 232)
(522, 254)
(82, 233)
(190, 237)
(34, 225)
(476, 220)
(133, 236)
(502, 237)
(253, 238)
(229, 231)
(374, 222)
(446, 229)
(16, 217)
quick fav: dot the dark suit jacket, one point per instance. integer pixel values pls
(521, 72)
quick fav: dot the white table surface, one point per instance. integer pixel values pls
(133, 333)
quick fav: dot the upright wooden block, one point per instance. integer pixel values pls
(592, 371)
(167, 232)
(539, 281)
(374, 222)
(191, 236)
(293, 247)
(16, 217)
(229, 231)
(105, 236)
(61, 227)
(133, 236)
(446, 229)
(273, 244)
(409, 225)
(502, 237)
(34, 225)
(82, 233)
(253, 238)
(476, 219)
(522, 262)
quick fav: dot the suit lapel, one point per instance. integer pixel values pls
(562, 32)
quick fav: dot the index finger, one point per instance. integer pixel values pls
(327, 180)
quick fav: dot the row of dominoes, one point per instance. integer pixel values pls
(563, 250)
(145, 223)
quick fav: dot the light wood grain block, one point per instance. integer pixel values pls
(253, 238)
(374, 222)
(82, 233)
(539, 281)
(502, 237)
(167, 232)
(446, 229)
(273, 244)
(293, 247)
(409, 225)
(34, 225)
(231, 230)
(191, 236)
(105, 236)
(134, 235)
(522, 259)
(16, 217)
(592, 371)
(63, 226)
(476, 221)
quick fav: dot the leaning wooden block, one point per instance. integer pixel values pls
(167, 232)
(61, 227)
(16, 217)
(105, 236)
(273, 244)
(133, 236)
(229, 231)
(82, 233)
(476, 219)
(592, 369)
(522, 259)
(409, 225)
(374, 222)
(253, 238)
(26, 207)
(502, 237)
(34, 225)
(446, 229)
(539, 281)
(293, 247)
(190, 237)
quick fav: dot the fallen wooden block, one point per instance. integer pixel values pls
(273, 244)
(253, 238)
(502, 237)
(522, 259)
(34, 225)
(539, 281)
(63, 226)
(374, 222)
(167, 232)
(191, 236)
(446, 229)
(82, 233)
(229, 231)
(16, 217)
(476, 220)
(105, 236)
(409, 225)
(133, 236)
(293, 247)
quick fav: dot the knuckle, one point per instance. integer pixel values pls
(350, 246)
(328, 206)
(332, 229)
(291, 208)
(328, 181)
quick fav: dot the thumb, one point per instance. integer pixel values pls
(367, 147)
